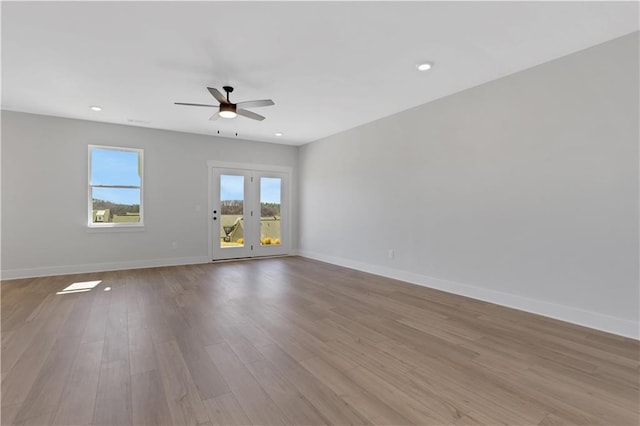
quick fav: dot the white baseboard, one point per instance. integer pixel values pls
(11, 274)
(565, 313)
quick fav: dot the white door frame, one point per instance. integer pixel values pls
(246, 249)
(259, 168)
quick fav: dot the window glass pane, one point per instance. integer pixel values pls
(270, 199)
(231, 211)
(114, 167)
(115, 205)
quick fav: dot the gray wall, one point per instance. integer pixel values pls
(44, 194)
(522, 191)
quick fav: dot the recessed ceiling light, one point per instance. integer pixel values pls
(424, 66)
(95, 108)
(279, 134)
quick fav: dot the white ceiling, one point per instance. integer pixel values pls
(328, 66)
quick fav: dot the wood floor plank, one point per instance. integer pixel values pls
(332, 407)
(96, 326)
(79, 395)
(244, 322)
(292, 343)
(16, 342)
(142, 355)
(148, 400)
(353, 328)
(243, 348)
(297, 341)
(46, 307)
(468, 420)
(417, 412)
(38, 418)
(113, 399)
(197, 313)
(290, 401)
(8, 413)
(395, 372)
(116, 340)
(44, 396)
(158, 323)
(553, 420)
(17, 290)
(370, 404)
(76, 322)
(224, 410)
(203, 371)
(183, 400)
(467, 388)
(252, 398)
(20, 378)
(207, 377)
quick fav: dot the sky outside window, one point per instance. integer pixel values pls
(115, 167)
(232, 188)
(270, 190)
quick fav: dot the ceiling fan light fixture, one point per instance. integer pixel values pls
(227, 111)
(227, 114)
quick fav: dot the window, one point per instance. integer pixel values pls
(115, 187)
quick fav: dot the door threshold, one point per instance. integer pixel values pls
(238, 259)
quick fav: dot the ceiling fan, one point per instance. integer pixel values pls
(227, 109)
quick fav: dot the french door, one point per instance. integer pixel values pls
(249, 212)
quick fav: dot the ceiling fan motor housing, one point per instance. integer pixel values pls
(228, 107)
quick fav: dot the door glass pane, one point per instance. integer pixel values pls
(270, 198)
(231, 211)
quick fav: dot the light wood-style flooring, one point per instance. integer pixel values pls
(295, 341)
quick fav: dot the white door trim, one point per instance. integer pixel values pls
(248, 166)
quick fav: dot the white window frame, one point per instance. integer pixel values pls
(90, 222)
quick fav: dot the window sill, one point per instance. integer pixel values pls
(116, 228)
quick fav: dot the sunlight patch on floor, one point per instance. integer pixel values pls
(79, 287)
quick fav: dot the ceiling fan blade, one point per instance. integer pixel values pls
(255, 104)
(216, 94)
(215, 116)
(202, 105)
(249, 114)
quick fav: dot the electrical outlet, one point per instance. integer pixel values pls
(391, 254)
